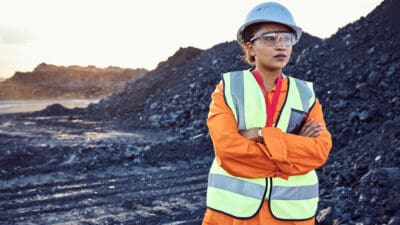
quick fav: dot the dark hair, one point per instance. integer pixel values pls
(247, 34)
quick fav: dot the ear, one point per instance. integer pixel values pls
(250, 48)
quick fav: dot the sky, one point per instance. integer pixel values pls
(140, 33)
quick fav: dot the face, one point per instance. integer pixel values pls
(266, 56)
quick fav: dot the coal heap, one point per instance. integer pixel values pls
(177, 93)
(355, 73)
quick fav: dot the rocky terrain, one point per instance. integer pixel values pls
(64, 169)
(141, 155)
(72, 82)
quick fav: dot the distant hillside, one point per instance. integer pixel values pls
(55, 82)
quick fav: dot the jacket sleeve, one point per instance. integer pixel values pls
(302, 154)
(235, 153)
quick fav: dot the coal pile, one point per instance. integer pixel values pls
(356, 74)
(176, 95)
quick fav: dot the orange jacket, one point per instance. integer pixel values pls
(281, 155)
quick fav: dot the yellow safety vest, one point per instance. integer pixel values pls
(239, 197)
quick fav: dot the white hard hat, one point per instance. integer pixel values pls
(269, 12)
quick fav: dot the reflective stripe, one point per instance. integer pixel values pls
(216, 169)
(236, 185)
(294, 193)
(312, 98)
(304, 93)
(236, 83)
(227, 94)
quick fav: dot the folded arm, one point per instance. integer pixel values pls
(235, 153)
(301, 153)
(281, 154)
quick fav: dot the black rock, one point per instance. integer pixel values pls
(365, 115)
(373, 78)
(326, 216)
(154, 105)
(384, 58)
(391, 71)
(394, 220)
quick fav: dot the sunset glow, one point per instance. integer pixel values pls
(139, 33)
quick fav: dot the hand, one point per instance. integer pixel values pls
(311, 129)
(251, 134)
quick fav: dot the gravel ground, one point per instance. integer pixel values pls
(67, 170)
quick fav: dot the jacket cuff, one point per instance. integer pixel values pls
(275, 143)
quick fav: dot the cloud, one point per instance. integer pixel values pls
(10, 36)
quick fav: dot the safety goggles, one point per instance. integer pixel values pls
(272, 38)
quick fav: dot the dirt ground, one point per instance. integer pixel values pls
(67, 170)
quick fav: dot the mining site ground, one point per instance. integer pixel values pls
(67, 170)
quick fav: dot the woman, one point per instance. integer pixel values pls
(268, 131)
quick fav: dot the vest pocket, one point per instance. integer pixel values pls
(295, 198)
(238, 197)
(296, 121)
